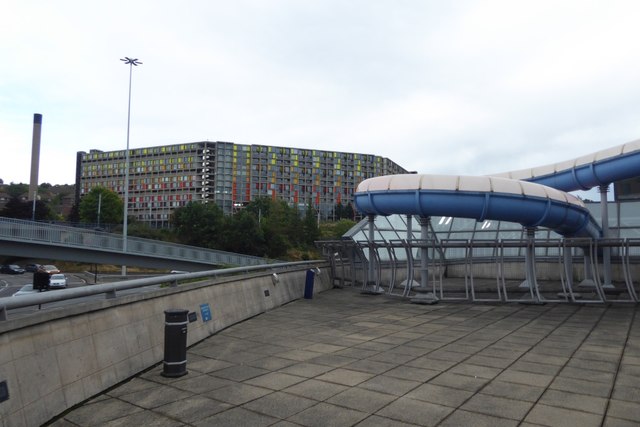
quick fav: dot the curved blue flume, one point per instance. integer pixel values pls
(565, 218)
(583, 173)
(600, 172)
(525, 196)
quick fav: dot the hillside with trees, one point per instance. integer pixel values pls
(265, 227)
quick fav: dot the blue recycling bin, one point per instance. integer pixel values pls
(308, 284)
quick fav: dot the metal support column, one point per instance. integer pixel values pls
(606, 251)
(371, 287)
(424, 295)
(588, 281)
(409, 283)
(530, 281)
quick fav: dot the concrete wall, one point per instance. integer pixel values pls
(544, 271)
(54, 360)
(514, 270)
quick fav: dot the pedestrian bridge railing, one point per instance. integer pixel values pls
(52, 234)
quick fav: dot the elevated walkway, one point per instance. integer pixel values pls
(29, 239)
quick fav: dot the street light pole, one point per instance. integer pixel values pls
(33, 209)
(131, 63)
(99, 207)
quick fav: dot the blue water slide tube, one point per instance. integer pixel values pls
(524, 196)
(599, 168)
(477, 197)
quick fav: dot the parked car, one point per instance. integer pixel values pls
(11, 269)
(25, 290)
(58, 281)
(32, 268)
(51, 269)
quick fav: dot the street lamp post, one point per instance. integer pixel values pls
(99, 207)
(131, 63)
(33, 209)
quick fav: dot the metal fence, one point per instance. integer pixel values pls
(523, 270)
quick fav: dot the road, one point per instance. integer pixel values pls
(11, 283)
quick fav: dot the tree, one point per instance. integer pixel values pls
(342, 226)
(343, 211)
(74, 215)
(199, 224)
(16, 208)
(142, 229)
(17, 190)
(310, 226)
(276, 228)
(101, 206)
(260, 207)
(244, 235)
(348, 212)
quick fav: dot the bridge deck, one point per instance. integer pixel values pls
(33, 240)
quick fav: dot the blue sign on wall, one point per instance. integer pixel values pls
(206, 312)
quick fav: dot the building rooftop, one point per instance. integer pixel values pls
(344, 359)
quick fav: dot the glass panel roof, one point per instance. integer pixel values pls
(394, 228)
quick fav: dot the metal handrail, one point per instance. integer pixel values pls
(110, 289)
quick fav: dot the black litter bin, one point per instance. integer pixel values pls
(175, 343)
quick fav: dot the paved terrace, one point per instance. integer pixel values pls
(346, 359)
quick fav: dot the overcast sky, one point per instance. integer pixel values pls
(450, 87)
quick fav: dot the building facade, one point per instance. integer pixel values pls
(167, 177)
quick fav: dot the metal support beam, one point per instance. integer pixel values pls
(424, 295)
(530, 281)
(372, 286)
(606, 251)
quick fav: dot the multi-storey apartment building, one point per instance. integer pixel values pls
(164, 178)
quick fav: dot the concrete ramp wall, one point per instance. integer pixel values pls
(54, 360)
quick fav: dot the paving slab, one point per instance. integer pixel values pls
(101, 412)
(581, 402)
(280, 405)
(466, 418)
(440, 395)
(154, 397)
(275, 380)
(497, 406)
(237, 417)
(306, 369)
(193, 409)
(145, 418)
(315, 389)
(347, 359)
(238, 394)
(327, 415)
(415, 412)
(361, 400)
(525, 392)
(553, 416)
(389, 385)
